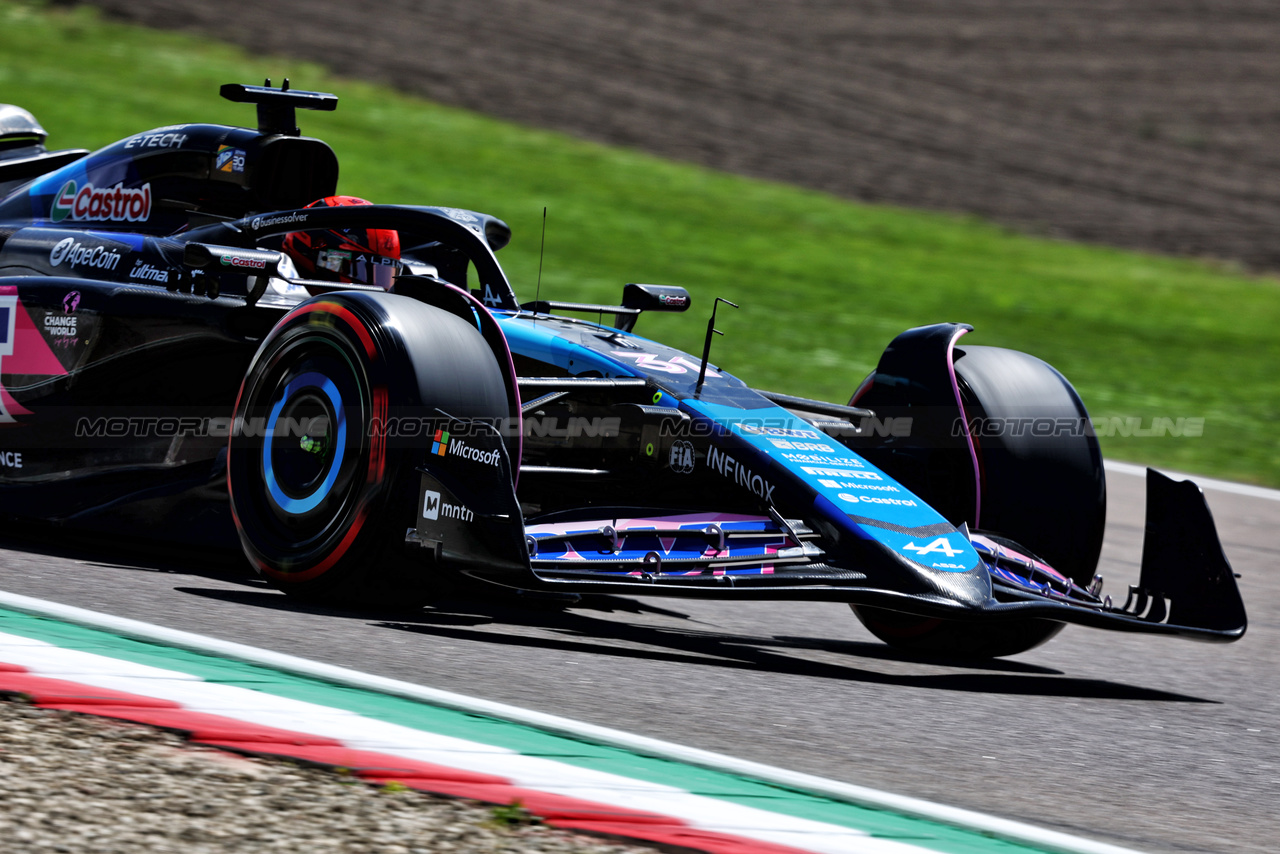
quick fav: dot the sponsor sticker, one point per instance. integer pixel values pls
(441, 444)
(228, 159)
(785, 432)
(728, 467)
(229, 260)
(459, 214)
(266, 221)
(75, 253)
(101, 204)
(63, 326)
(818, 459)
(467, 452)
(834, 472)
(157, 140)
(849, 484)
(434, 507)
(876, 499)
(787, 444)
(142, 271)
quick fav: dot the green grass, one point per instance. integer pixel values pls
(824, 284)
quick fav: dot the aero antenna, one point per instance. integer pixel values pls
(706, 348)
(542, 248)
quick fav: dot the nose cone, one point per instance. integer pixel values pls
(938, 560)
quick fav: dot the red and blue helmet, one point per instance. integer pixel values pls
(369, 256)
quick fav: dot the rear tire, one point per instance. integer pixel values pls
(321, 497)
(1043, 488)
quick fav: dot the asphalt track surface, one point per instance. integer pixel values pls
(1158, 744)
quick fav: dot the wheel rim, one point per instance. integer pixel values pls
(306, 444)
(312, 399)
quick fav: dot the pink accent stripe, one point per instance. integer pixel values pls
(1005, 551)
(973, 453)
(246, 738)
(652, 525)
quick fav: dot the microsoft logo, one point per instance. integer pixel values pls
(441, 444)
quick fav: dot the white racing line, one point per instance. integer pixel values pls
(533, 772)
(1262, 492)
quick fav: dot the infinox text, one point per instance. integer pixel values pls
(735, 471)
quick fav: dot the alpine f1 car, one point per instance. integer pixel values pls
(164, 366)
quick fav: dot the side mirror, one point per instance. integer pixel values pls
(231, 259)
(656, 297)
(651, 298)
(209, 261)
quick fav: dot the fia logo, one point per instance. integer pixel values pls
(940, 545)
(681, 458)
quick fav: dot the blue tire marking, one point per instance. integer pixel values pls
(298, 506)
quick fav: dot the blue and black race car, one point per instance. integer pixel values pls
(165, 367)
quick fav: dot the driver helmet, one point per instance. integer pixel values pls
(367, 256)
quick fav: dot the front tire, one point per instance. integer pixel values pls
(321, 499)
(1045, 490)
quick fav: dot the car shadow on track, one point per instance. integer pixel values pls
(124, 553)
(770, 655)
(587, 628)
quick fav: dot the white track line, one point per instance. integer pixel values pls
(862, 795)
(1250, 490)
(529, 772)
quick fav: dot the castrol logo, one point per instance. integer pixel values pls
(248, 263)
(88, 203)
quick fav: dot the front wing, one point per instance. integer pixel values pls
(469, 518)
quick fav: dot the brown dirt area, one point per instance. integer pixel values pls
(1137, 123)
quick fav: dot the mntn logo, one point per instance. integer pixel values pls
(431, 505)
(441, 445)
